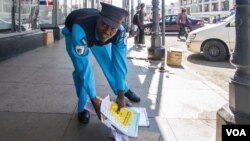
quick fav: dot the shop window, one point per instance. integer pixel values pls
(18, 16)
(206, 8)
(224, 6)
(214, 7)
(29, 14)
(62, 12)
(45, 12)
(5, 17)
(200, 8)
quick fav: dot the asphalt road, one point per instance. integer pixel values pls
(219, 73)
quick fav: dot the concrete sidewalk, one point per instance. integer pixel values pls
(38, 100)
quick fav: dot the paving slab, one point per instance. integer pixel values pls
(167, 134)
(193, 130)
(148, 101)
(16, 74)
(93, 131)
(49, 98)
(38, 99)
(52, 76)
(16, 126)
(188, 103)
(146, 135)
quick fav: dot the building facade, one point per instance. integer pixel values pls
(172, 8)
(24, 15)
(207, 9)
(22, 22)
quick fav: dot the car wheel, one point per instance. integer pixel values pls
(214, 51)
(188, 30)
(147, 30)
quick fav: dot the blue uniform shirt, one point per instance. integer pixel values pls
(111, 58)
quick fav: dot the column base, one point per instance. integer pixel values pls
(226, 117)
(156, 53)
(57, 31)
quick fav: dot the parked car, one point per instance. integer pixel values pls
(6, 26)
(215, 41)
(171, 25)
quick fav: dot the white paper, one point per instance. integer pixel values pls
(143, 120)
(120, 137)
(105, 110)
(108, 124)
(130, 130)
(117, 135)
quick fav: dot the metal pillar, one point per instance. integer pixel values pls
(132, 9)
(125, 5)
(131, 17)
(238, 109)
(19, 16)
(56, 30)
(156, 51)
(163, 23)
(55, 13)
(13, 21)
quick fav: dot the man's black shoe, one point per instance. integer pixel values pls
(83, 116)
(132, 96)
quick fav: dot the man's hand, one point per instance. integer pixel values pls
(97, 105)
(120, 99)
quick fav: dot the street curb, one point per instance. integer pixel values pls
(210, 84)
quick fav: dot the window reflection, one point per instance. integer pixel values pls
(27, 15)
(18, 15)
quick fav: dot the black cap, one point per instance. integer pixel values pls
(112, 15)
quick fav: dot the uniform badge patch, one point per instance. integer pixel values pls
(79, 50)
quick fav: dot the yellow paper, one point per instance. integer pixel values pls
(123, 116)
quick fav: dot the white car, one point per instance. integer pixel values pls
(4, 25)
(215, 41)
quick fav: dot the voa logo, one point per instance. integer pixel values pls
(236, 132)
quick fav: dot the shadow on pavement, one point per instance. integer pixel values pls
(200, 60)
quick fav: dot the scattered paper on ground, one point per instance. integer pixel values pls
(124, 116)
(143, 121)
(124, 123)
(132, 127)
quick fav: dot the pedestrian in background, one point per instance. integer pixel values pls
(214, 19)
(218, 18)
(182, 21)
(140, 38)
(232, 11)
(102, 33)
(136, 22)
